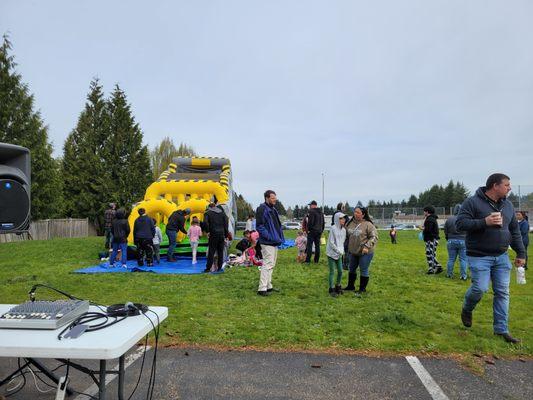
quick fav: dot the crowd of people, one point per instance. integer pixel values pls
(478, 233)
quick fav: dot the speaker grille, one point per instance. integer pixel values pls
(14, 205)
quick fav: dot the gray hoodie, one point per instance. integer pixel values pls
(450, 231)
(336, 238)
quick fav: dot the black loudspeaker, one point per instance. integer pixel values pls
(15, 182)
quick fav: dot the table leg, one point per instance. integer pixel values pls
(101, 380)
(121, 374)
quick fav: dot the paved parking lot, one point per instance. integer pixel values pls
(209, 374)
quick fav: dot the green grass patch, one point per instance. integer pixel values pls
(404, 311)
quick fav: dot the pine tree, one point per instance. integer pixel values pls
(21, 125)
(244, 209)
(127, 161)
(280, 208)
(84, 170)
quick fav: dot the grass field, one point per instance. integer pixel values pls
(405, 311)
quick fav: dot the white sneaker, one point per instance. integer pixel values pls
(124, 266)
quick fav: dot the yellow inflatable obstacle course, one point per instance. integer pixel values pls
(188, 183)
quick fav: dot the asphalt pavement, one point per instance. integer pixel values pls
(191, 373)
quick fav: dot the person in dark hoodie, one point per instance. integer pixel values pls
(143, 234)
(216, 225)
(175, 224)
(271, 236)
(491, 226)
(431, 239)
(455, 245)
(315, 227)
(120, 230)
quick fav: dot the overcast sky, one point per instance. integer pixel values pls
(384, 97)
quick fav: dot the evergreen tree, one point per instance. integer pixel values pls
(244, 209)
(127, 161)
(161, 156)
(20, 124)
(280, 208)
(84, 171)
(413, 201)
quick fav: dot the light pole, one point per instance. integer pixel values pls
(322, 193)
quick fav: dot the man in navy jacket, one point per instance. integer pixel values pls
(270, 237)
(490, 224)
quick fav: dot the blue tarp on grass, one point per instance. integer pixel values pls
(180, 266)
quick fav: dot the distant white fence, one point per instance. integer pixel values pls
(54, 228)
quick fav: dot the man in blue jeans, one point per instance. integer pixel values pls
(491, 226)
(456, 245)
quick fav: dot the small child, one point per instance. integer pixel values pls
(245, 242)
(194, 234)
(301, 244)
(158, 238)
(335, 251)
(392, 234)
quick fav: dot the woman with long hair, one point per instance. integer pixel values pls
(362, 239)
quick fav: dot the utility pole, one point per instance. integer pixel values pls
(519, 199)
(322, 193)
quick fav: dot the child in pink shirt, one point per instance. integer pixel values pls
(194, 234)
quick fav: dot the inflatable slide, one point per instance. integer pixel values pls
(188, 183)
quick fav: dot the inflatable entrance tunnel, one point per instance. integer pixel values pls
(188, 183)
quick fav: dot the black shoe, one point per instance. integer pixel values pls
(508, 338)
(464, 278)
(263, 293)
(438, 270)
(207, 270)
(272, 289)
(338, 289)
(466, 317)
(332, 292)
(430, 271)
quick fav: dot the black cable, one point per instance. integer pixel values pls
(142, 367)
(151, 382)
(34, 288)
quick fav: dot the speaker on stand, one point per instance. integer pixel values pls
(15, 189)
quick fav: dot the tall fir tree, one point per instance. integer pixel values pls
(127, 161)
(20, 124)
(84, 169)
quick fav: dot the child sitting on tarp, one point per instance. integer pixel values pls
(245, 242)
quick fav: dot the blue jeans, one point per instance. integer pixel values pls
(171, 242)
(362, 261)
(456, 247)
(486, 269)
(123, 255)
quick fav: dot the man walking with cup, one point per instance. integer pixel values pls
(489, 221)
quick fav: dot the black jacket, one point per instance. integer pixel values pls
(176, 222)
(216, 222)
(243, 244)
(120, 229)
(315, 220)
(483, 240)
(143, 228)
(431, 228)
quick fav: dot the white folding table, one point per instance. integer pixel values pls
(105, 344)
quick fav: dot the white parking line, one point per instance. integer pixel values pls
(130, 359)
(432, 387)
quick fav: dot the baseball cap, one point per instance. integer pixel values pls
(312, 203)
